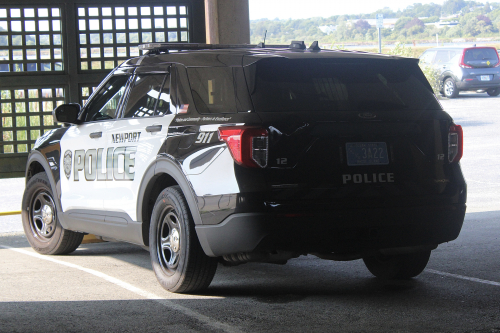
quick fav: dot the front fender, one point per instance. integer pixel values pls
(52, 173)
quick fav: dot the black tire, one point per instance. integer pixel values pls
(450, 89)
(493, 91)
(178, 260)
(401, 266)
(40, 222)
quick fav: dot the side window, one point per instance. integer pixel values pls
(213, 89)
(442, 57)
(145, 95)
(427, 57)
(456, 58)
(105, 103)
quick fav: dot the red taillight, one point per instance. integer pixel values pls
(462, 63)
(455, 143)
(248, 145)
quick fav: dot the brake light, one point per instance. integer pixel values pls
(462, 63)
(455, 143)
(248, 145)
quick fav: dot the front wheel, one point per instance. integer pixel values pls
(401, 266)
(493, 91)
(40, 222)
(178, 260)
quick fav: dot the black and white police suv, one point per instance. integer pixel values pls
(233, 154)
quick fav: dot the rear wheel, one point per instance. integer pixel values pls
(450, 88)
(401, 266)
(178, 260)
(493, 91)
(40, 222)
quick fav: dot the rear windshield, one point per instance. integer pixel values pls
(481, 57)
(280, 85)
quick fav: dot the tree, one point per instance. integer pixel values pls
(401, 22)
(486, 20)
(487, 7)
(453, 6)
(471, 27)
(362, 26)
(387, 12)
(420, 10)
(415, 22)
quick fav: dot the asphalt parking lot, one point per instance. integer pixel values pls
(110, 287)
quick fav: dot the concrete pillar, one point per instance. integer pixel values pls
(227, 21)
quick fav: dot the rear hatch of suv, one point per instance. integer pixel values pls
(480, 57)
(348, 133)
(480, 67)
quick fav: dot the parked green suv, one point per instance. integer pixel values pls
(465, 68)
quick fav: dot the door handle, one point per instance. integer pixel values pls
(153, 128)
(95, 135)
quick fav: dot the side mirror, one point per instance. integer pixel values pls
(67, 113)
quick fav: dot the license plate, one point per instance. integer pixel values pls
(485, 78)
(367, 153)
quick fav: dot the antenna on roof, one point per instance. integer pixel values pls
(314, 46)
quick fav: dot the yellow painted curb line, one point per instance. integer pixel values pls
(87, 239)
(16, 212)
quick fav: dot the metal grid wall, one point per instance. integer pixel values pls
(110, 35)
(26, 114)
(30, 39)
(85, 92)
(59, 52)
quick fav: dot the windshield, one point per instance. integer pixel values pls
(339, 85)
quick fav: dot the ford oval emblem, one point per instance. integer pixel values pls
(367, 115)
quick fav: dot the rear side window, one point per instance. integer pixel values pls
(212, 89)
(331, 85)
(481, 57)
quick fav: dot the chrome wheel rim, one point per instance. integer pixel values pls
(448, 88)
(42, 213)
(169, 240)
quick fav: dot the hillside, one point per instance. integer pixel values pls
(455, 19)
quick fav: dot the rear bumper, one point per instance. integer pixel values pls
(476, 84)
(353, 230)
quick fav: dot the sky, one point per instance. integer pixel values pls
(297, 9)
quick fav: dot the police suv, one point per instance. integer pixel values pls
(230, 154)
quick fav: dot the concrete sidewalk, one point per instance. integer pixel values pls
(11, 194)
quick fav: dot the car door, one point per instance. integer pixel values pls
(136, 138)
(85, 146)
